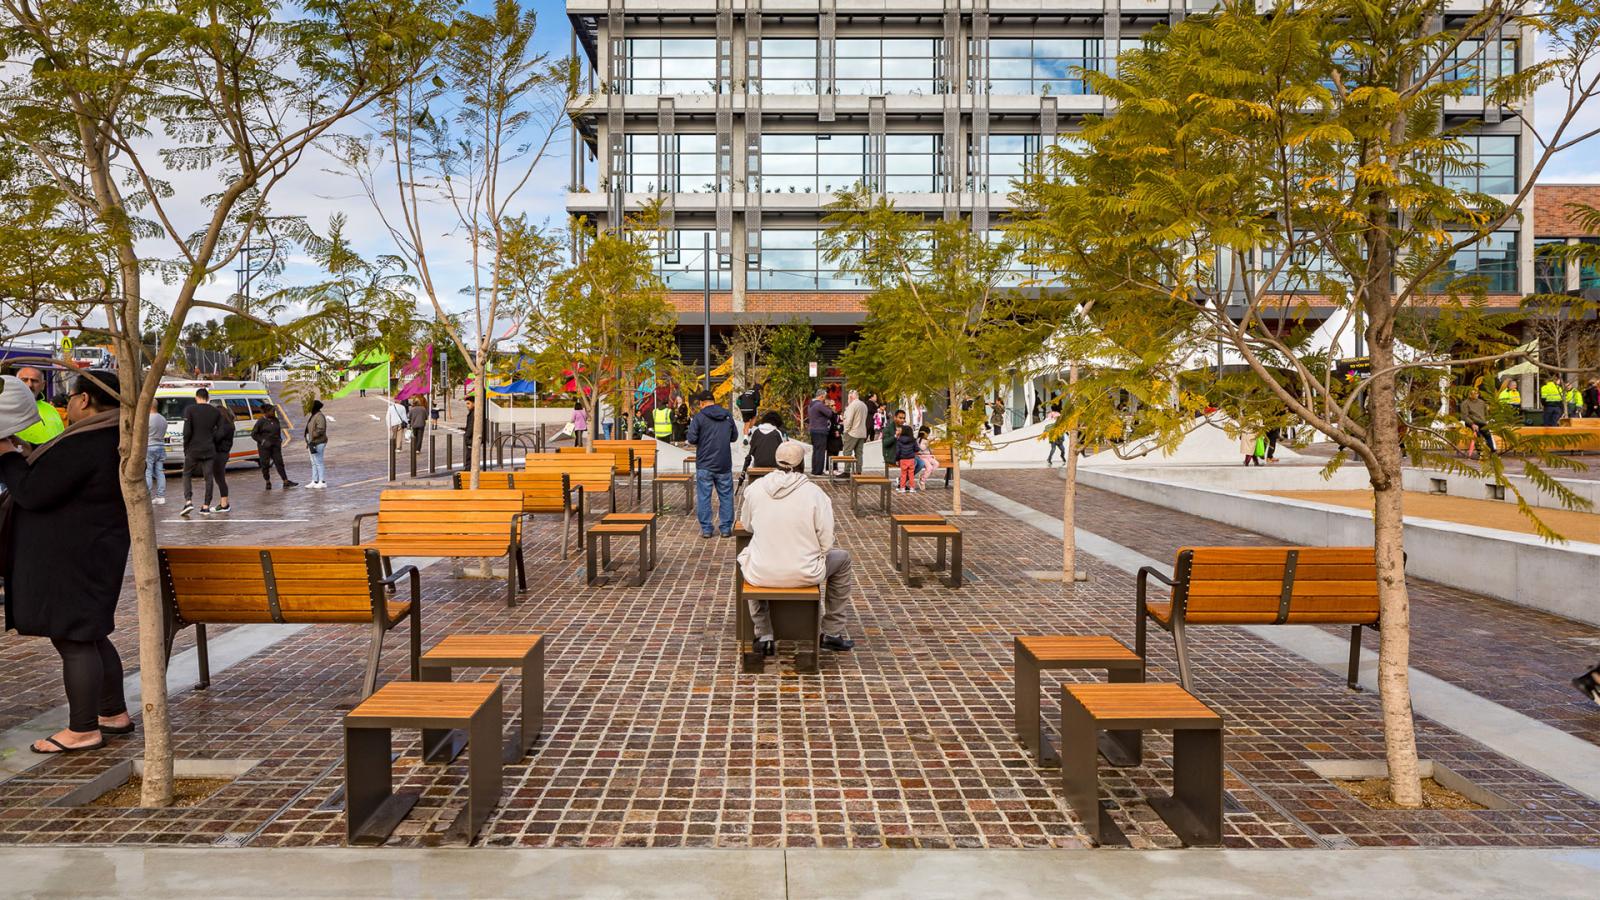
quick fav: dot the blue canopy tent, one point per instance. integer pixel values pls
(521, 386)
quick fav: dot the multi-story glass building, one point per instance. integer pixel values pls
(743, 116)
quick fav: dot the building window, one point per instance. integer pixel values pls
(1041, 66)
(811, 163)
(690, 164)
(786, 66)
(789, 260)
(1310, 269)
(1589, 271)
(1549, 272)
(680, 261)
(887, 65)
(1491, 161)
(1478, 65)
(1493, 259)
(911, 163)
(672, 66)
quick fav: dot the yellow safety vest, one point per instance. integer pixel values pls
(662, 420)
(1512, 397)
(48, 426)
(1550, 392)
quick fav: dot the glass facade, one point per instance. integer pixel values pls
(1477, 65)
(1549, 272)
(887, 65)
(672, 66)
(911, 163)
(1041, 65)
(790, 261)
(1493, 162)
(787, 66)
(825, 163)
(1492, 259)
(690, 164)
(680, 261)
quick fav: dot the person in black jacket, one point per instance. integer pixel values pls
(65, 552)
(219, 463)
(267, 432)
(201, 422)
(764, 441)
(712, 433)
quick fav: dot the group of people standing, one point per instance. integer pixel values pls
(208, 436)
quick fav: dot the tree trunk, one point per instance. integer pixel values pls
(1394, 602)
(955, 451)
(156, 785)
(1069, 497)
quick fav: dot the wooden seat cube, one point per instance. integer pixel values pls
(372, 808)
(646, 519)
(1194, 810)
(666, 478)
(688, 463)
(524, 652)
(940, 534)
(600, 539)
(896, 520)
(796, 614)
(885, 494)
(1035, 653)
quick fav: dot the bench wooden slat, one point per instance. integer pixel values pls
(1270, 555)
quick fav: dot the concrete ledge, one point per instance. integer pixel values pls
(1518, 568)
(1470, 488)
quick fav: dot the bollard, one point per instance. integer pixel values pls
(449, 452)
(391, 457)
(433, 452)
(414, 449)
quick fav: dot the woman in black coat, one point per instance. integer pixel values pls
(65, 552)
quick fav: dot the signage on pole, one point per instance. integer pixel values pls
(813, 370)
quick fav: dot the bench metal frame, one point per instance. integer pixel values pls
(516, 571)
(444, 745)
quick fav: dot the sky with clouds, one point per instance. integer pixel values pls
(319, 188)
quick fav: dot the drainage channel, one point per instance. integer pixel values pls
(243, 839)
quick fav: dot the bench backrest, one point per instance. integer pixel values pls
(591, 471)
(941, 452)
(1276, 585)
(449, 516)
(542, 492)
(272, 584)
(643, 450)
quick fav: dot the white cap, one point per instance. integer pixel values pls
(18, 410)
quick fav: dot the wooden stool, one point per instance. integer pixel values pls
(796, 614)
(688, 463)
(1194, 811)
(1035, 653)
(602, 534)
(848, 459)
(672, 478)
(519, 651)
(648, 519)
(372, 808)
(885, 495)
(940, 533)
(897, 520)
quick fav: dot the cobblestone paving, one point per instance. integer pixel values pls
(1520, 658)
(652, 738)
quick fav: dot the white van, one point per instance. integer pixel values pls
(245, 399)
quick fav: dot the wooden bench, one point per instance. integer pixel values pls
(1194, 810)
(638, 518)
(542, 492)
(602, 534)
(885, 495)
(1262, 586)
(594, 472)
(845, 459)
(632, 458)
(660, 481)
(1033, 654)
(896, 520)
(523, 652)
(372, 808)
(287, 586)
(688, 463)
(941, 534)
(945, 457)
(796, 614)
(480, 524)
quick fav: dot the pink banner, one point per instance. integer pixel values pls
(416, 378)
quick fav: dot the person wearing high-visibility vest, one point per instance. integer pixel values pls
(1550, 394)
(661, 422)
(1510, 395)
(1574, 400)
(49, 424)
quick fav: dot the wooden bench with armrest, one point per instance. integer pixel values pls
(475, 524)
(203, 586)
(632, 458)
(1262, 586)
(542, 492)
(594, 472)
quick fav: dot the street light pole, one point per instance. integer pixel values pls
(706, 325)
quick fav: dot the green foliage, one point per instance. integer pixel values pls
(791, 349)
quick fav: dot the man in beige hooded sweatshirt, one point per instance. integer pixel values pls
(791, 544)
(855, 429)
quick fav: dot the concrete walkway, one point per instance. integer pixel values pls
(796, 874)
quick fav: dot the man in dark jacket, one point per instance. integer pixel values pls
(712, 433)
(819, 422)
(201, 424)
(65, 553)
(267, 432)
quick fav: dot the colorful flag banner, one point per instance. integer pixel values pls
(416, 377)
(369, 371)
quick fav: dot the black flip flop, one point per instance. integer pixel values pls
(125, 729)
(64, 747)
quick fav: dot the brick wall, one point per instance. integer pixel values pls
(1552, 218)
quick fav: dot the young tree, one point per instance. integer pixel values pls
(468, 138)
(110, 100)
(1270, 159)
(791, 349)
(940, 315)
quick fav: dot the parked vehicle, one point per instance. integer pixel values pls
(245, 399)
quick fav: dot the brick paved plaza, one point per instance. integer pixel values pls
(654, 739)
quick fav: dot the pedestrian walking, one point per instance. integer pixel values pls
(1057, 444)
(201, 421)
(155, 457)
(397, 420)
(316, 435)
(712, 433)
(267, 432)
(856, 415)
(219, 463)
(1250, 444)
(417, 419)
(64, 555)
(580, 423)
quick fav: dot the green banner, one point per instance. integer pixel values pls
(373, 379)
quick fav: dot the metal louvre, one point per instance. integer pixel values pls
(826, 26)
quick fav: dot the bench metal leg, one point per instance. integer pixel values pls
(1080, 774)
(566, 529)
(1353, 680)
(1181, 647)
(1025, 703)
(907, 567)
(531, 725)
(955, 562)
(644, 557)
(1194, 811)
(595, 577)
(886, 499)
(1123, 748)
(894, 547)
(416, 638)
(440, 746)
(372, 810)
(854, 490)
(484, 772)
(369, 683)
(201, 650)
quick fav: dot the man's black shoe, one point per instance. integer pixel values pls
(767, 648)
(728, 533)
(290, 484)
(705, 534)
(832, 642)
(269, 485)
